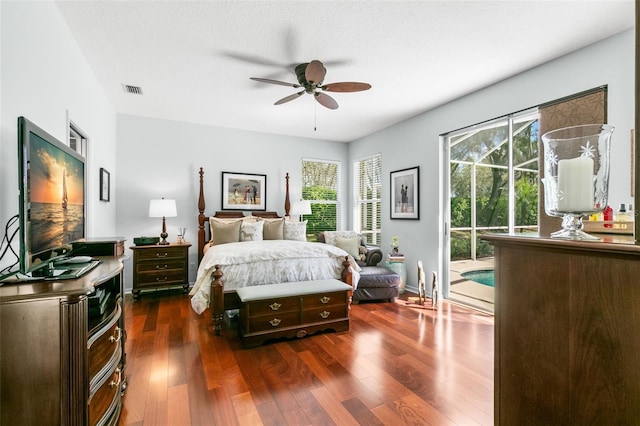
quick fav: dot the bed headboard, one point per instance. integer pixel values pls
(203, 221)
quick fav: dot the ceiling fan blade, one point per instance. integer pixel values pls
(326, 100)
(315, 72)
(347, 86)
(281, 83)
(289, 98)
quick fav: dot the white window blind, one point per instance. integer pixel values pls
(368, 190)
(321, 186)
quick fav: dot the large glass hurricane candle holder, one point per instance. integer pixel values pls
(576, 176)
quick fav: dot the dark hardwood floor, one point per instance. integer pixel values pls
(399, 364)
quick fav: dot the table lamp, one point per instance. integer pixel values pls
(163, 208)
(300, 208)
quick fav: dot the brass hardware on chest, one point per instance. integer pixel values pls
(275, 306)
(275, 322)
(165, 266)
(165, 254)
(116, 383)
(325, 300)
(325, 314)
(162, 279)
(118, 335)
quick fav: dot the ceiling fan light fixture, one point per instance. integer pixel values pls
(310, 75)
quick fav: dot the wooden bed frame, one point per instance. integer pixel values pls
(221, 300)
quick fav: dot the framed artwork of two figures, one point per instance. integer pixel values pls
(405, 193)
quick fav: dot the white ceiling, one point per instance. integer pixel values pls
(193, 60)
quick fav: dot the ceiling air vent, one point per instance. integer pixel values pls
(136, 90)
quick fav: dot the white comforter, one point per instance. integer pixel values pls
(267, 262)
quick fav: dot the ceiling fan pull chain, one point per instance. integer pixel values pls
(315, 116)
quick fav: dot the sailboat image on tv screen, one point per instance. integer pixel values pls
(65, 198)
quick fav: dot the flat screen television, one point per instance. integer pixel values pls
(52, 197)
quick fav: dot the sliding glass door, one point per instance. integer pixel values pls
(492, 187)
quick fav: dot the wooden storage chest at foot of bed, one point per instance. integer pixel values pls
(292, 310)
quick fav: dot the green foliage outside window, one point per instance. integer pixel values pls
(323, 216)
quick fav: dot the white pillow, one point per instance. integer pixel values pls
(296, 231)
(251, 231)
(330, 236)
(350, 245)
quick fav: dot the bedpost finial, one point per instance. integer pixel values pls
(287, 202)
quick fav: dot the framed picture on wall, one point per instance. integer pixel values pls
(405, 193)
(105, 185)
(244, 191)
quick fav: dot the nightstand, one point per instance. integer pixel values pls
(160, 266)
(396, 264)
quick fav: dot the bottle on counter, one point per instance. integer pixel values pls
(607, 216)
(622, 215)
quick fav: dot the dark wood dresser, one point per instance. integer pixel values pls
(62, 351)
(160, 266)
(567, 331)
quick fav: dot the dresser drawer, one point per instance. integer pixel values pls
(324, 299)
(161, 265)
(160, 278)
(107, 399)
(159, 252)
(272, 306)
(273, 322)
(105, 348)
(327, 313)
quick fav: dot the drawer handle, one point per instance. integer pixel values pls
(162, 279)
(165, 266)
(325, 314)
(115, 384)
(325, 300)
(275, 306)
(275, 322)
(117, 337)
(165, 254)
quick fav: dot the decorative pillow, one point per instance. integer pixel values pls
(224, 232)
(330, 236)
(273, 229)
(251, 231)
(363, 253)
(296, 231)
(350, 245)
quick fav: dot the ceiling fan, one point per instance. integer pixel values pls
(310, 77)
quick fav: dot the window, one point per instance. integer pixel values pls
(368, 190)
(77, 140)
(320, 185)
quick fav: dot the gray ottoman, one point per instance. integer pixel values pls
(377, 283)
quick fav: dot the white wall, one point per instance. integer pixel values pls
(46, 79)
(162, 158)
(416, 142)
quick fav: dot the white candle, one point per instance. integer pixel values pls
(575, 182)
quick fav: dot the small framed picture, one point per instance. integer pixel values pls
(105, 184)
(405, 193)
(244, 191)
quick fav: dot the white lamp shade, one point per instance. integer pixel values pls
(301, 207)
(163, 208)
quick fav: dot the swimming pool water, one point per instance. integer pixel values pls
(484, 277)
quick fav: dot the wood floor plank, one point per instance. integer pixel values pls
(399, 363)
(333, 407)
(178, 406)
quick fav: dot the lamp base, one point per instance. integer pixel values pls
(164, 241)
